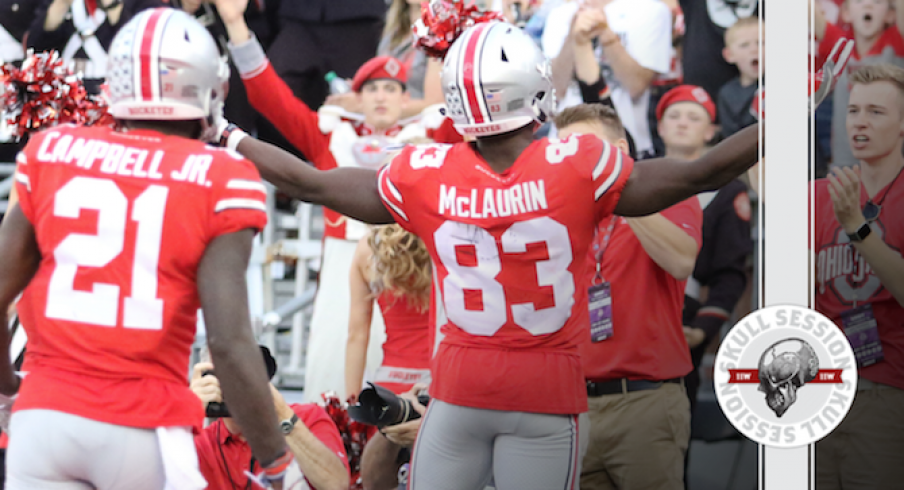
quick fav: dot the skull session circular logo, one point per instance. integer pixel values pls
(785, 376)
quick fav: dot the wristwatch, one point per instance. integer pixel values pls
(287, 425)
(861, 233)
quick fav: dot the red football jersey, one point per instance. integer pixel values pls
(122, 220)
(509, 254)
(843, 277)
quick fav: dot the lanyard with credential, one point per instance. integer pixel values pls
(601, 248)
(599, 294)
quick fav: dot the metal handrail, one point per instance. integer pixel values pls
(273, 318)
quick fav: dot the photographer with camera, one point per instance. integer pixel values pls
(385, 459)
(225, 457)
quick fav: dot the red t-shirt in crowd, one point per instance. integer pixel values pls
(509, 259)
(122, 220)
(225, 457)
(648, 339)
(843, 276)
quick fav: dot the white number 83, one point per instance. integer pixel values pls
(481, 275)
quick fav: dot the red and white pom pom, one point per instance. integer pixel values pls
(443, 21)
(354, 434)
(43, 93)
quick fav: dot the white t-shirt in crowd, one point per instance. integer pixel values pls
(645, 30)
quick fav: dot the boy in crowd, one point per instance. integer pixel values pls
(742, 50)
(876, 26)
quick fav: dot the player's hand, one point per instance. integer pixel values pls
(694, 336)
(844, 188)
(588, 24)
(231, 10)
(348, 101)
(207, 388)
(826, 77)
(283, 410)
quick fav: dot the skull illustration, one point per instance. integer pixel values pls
(784, 368)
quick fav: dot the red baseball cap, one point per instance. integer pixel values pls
(380, 67)
(686, 93)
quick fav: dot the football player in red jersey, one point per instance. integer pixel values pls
(508, 221)
(119, 236)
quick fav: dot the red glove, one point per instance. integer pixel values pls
(824, 80)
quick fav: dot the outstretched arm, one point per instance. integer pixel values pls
(350, 191)
(18, 264)
(242, 375)
(659, 183)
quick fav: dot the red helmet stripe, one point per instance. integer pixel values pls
(469, 76)
(149, 55)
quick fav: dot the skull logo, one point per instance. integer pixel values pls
(784, 368)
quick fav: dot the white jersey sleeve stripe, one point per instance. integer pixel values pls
(225, 204)
(21, 159)
(246, 185)
(23, 179)
(384, 178)
(604, 161)
(395, 192)
(611, 179)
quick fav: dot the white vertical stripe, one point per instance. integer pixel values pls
(604, 161)
(611, 179)
(384, 176)
(478, 90)
(395, 191)
(786, 259)
(136, 57)
(460, 63)
(155, 54)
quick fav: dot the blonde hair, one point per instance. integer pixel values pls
(752, 21)
(401, 265)
(879, 73)
(398, 24)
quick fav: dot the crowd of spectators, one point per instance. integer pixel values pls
(674, 75)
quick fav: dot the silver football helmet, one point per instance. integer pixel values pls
(495, 80)
(164, 65)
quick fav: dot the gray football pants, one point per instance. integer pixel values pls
(58, 451)
(463, 448)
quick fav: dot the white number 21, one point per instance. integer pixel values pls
(100, 306)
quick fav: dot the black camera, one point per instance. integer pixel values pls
(381, 407)
(217, 410)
